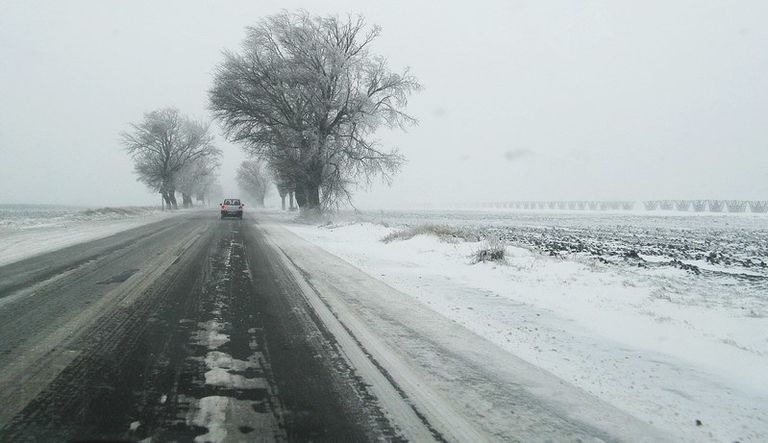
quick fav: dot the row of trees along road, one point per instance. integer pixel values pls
(305, 95)
(253, 179)
(171, 153)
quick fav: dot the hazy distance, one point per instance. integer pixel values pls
(522, 100)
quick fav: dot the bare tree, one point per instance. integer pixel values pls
(758, 206)
(736, 205)
(306, 96)
(699, 205)
(162, 144)
(651, 205)
(253, 179)
(195, 178)
(716, 205)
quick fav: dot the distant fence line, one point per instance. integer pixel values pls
(757, 206)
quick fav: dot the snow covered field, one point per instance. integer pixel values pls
(28, 230)
(664, 317)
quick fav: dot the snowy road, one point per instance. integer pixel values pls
(196, 328)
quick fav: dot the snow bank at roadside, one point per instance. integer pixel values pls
(616, 334)
(25, 217)
(24, 239)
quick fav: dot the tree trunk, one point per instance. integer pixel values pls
(186, 200)
(313, 196)
(167, 198)
(172, 198)
(282, 200)
(301, 199)
(311, 208)
(292, 207)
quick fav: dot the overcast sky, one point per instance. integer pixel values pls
(522, 100)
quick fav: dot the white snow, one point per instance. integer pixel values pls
(210, 335)
(224, 416)
(211, 413)
(20, 240)
(615, 333)
(227, 418)
(223, 372)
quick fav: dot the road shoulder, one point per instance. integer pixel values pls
(463, 384)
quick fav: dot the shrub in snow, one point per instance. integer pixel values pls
(666, 205)
(444, 233)
(493, 250)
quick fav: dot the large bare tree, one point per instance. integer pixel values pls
(163, 144)
(306, 95)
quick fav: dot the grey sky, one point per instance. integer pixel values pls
(522, 100)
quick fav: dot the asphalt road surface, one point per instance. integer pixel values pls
(200, 329)
(185, 328)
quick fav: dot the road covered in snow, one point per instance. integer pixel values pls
(195, 328)
(664, 318)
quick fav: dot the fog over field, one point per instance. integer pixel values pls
(522, 100)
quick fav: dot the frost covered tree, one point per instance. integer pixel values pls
(306, 95)
(253, 179)
(716, 205)
(195, 178)
(651, 205)
(699, 205)
(758, 206)
(163, 144)
(736, 205)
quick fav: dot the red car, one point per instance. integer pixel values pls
(232, 207)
